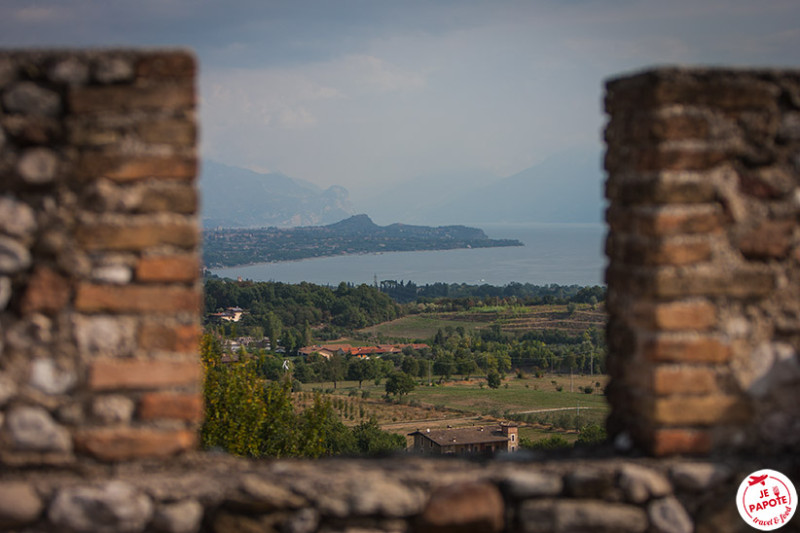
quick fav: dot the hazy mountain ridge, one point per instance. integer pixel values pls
(237, 197)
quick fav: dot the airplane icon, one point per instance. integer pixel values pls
(758, 479)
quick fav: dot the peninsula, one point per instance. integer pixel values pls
(355, 235)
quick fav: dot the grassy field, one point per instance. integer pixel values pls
(534, 403)
(509, 318)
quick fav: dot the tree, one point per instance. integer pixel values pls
(493, 380)
(372, 440)
(333, 369)
(361, 369)
(400, 384)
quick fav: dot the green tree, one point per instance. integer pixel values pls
(493, 379)
(371, 439)
(400, 384)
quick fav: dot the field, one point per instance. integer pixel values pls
(534, 403)
(509, 318)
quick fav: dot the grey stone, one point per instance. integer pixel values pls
(38, 166)
(14, 257)
(113, 70)
(5, 292)
(524, 484)
(641, 484)
(113, 408)
(264, 495)
(30, 99)
(116, 274)
(699, 477)
(33, 429)
(50, 378)
(19, 504)
(540, 516)
(7, 71)
(790, 127)
(8, 388)
(113, 507)
(377, 495)
(16, 218)
(303, 521)
(71, 71)
(105, 335)
(667, 515)
(180, 517)
(591, 483)
(779, 366)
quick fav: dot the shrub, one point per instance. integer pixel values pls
(559, 388)
(588, 389)
(365, 394)
(553, 442)
(592, 434)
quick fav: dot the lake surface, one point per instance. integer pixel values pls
(565, 254)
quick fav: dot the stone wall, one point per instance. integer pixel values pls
(100, 306)
(704, 248)
(99, 289)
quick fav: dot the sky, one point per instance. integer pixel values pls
(367, 94)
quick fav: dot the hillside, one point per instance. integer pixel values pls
(354, 235)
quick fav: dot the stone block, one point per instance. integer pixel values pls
(28, 98)
(126, 374)
(524, 484)
(178, 517)
(699, 476)
(466, 507)
(667, 515)
(771, 239)
(128, 99)
(112, 507)
(47, 292)
(105, 335)
(682, 379)
(739, 283)
(686, 349)
(137, 236)
(113, 408)
(679, 220)
(19, 504)
(51, 378)
(656, 191)
(142, 299)
(640, 484)
(14, 256)
(545, 516)
(168, 268)
(38, 166)
(33, 429)
(659, 158)
(172, 406)
(17, 219)
(673, 251)
(125, 444)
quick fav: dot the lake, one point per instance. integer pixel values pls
(564, 254)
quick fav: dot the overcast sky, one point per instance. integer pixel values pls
(365, 93)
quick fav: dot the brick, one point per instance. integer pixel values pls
(637, 127)
(125, 98)
(667, 252)
(123, 444)
(676, 220)
(47, 291)
(168, 268)
(684, 380)
(707, 410)
(113, 374)
(136, 236)
(695, 349)
(173, 406)
(183, 338)
(664, 158)
(167, 65)
(673, 441)
(124, 169)
(180, 199)
(693, 315)
(659, 191)
(744, 283)
(168, 131)
(92, 298)
(771, 239)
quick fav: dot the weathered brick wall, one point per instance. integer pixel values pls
(704, 248)
(99, 288)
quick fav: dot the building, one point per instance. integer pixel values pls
(460, 441)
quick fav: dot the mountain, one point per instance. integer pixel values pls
(566, 187)
(236, 197)
(355, 235)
